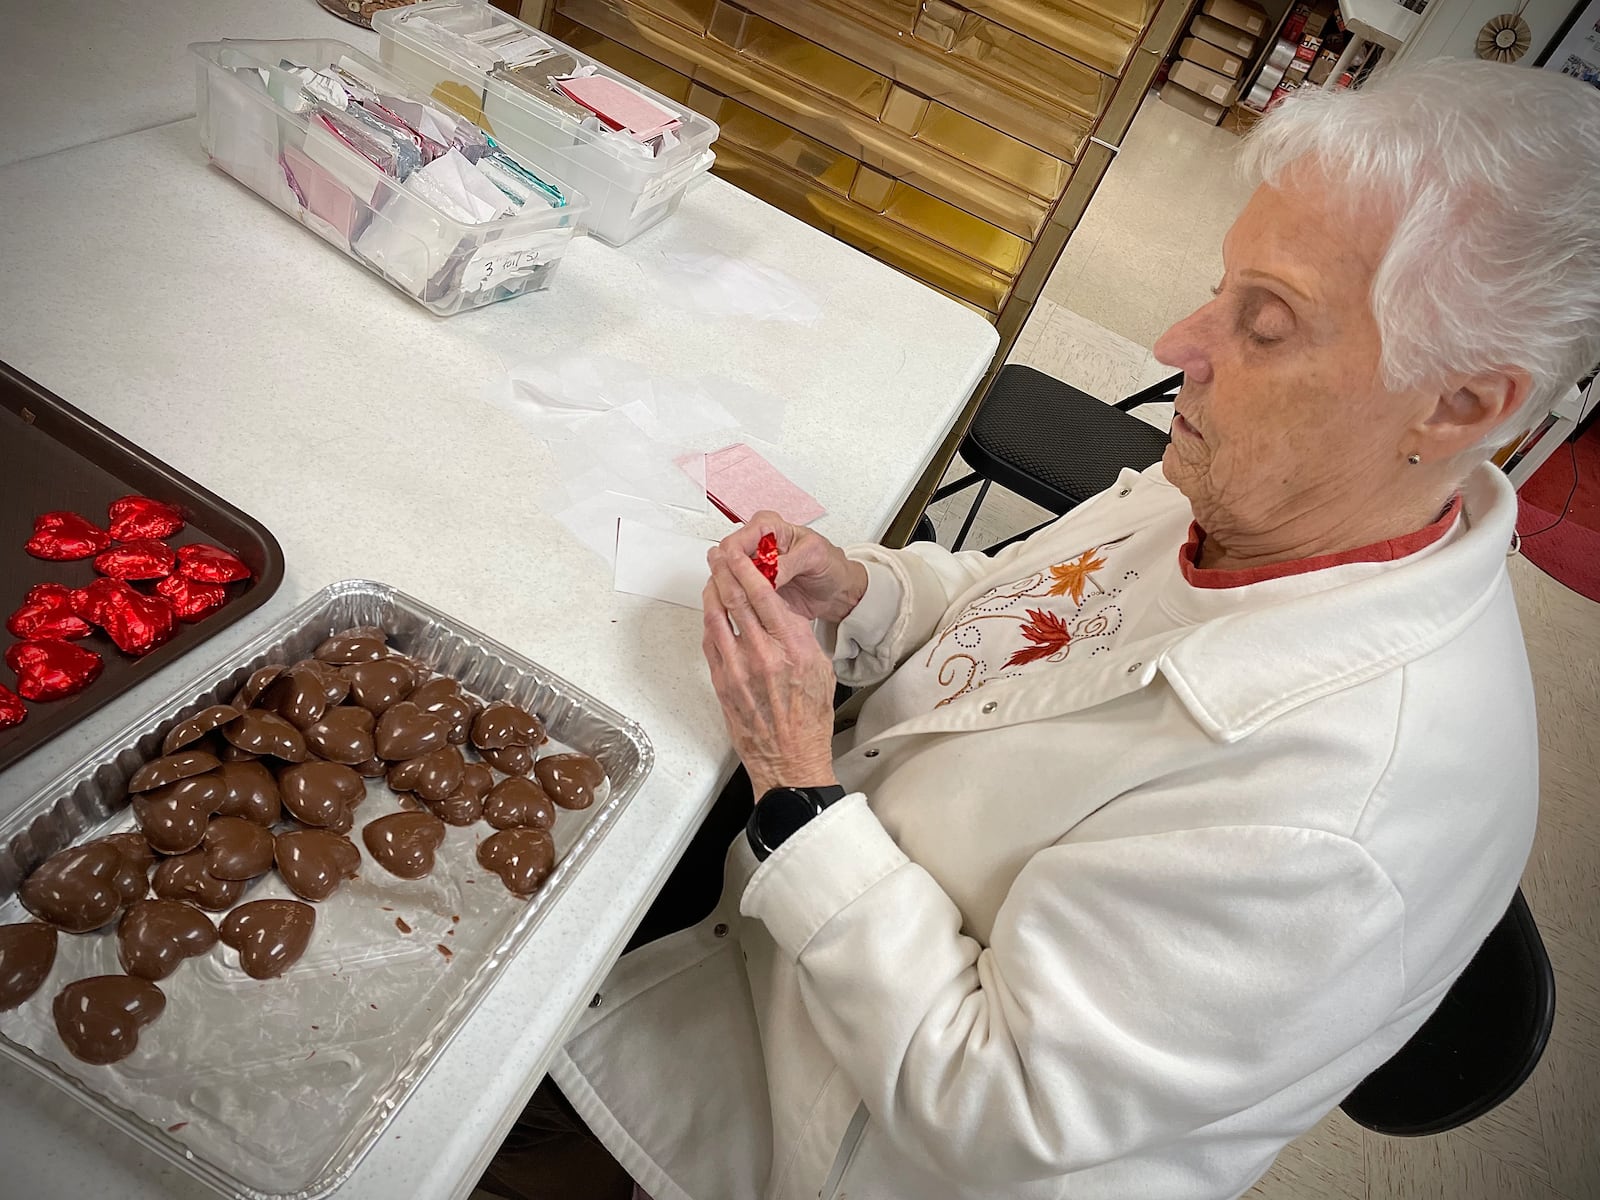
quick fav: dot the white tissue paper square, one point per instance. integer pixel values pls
(718, 286)
(661, 563)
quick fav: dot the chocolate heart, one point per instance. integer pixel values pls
(48, 670)
(141, 517)
(191, 599)
(299, 696)
(405, 731)
(252, 792)
(155, 936)
(402, 777)
(27, 952)
(444, 697)
(64, 536)
(141, 558)
(335, 686)
(186, 878)
(132, 846)
(373, 768)
(502, 724)
(439, 773)
(262, 732)
(314, 862)
(270, 935)
(523, 858)
(137, 623)
(210, 564)
(237, 848)
(46, 613)
(344, 735)
(510, 760)
(100, 1018)
(159, 772)
(12, 710)
(192, 729)
(377, 685)
(229, 753)
(569, 779)
(321, 794)
(518, 802)
(82, 887)
(353, 646)
(255, 685)
(403, 843)
(174, 818)
(465, 805)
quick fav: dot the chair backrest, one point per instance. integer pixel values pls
(1479, 1046)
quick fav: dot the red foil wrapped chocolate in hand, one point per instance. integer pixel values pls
(766, 558)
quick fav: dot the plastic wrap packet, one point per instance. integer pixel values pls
(428, 148)
(516, 181)
(317, 87)
(374, 140)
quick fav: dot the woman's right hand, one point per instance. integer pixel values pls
(815, 578)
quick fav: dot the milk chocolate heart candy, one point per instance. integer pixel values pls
(141, 517)
(353, 646)
(314, 862)
(100, 1018)
(12, 710)
(64, 536)
(344, 735)
(155, 936)
(266, 733)
(82, 887)
(210, 564)
(377, 685)
(27, 952)
(465, 805)
(192, 729)
(190, 599)
(335, 686)
(299, 696)
(133, 847)
(405, 731)
(321, 793)
(186, 878)
(52, 670)
(569, 779)
(439, 773)
(142, 558)
(518, 802)
(402, 777)
(403, 843)
(237, 849)
(255, 685)
(174, 818)
(523, 858)
(252, 793)
(512, 760)
(444, 697)
(270, 935)
(46, 613)
(170, 768)
(503, 724)
(373, 768)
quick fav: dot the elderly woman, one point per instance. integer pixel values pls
(1166, 826)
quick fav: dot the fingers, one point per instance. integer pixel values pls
(747, 537)
(717, 638)
(758, 596)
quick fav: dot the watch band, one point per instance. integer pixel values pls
(780, 813)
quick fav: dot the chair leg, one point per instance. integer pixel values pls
(1017, 537)
(950, 489)
(966, 526)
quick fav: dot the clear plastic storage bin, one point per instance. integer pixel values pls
(444, 263)
(449, 50)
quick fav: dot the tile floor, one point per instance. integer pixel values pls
(1146, 254)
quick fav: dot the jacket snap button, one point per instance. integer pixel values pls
(720, 930)
(595, 1003)
(869, 754)
(1125, 491)
(990, 707)
(1135, 667)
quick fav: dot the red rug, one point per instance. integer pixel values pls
(1568, 551)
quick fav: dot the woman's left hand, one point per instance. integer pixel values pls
(773, 680)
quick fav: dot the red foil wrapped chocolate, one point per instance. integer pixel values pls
(210, 564)
(136, 517)
(137, 623)
(64, 536)
(191, 599)
(12, 711)
(766, 558)
(46, 613)
(48, 670)
(142, 558)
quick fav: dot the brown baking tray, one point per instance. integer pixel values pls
(54, 456)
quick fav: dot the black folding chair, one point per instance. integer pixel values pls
(1052, 444)
(1479, 1046)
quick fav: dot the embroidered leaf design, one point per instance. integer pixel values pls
(1046, 631)
(1071, 577)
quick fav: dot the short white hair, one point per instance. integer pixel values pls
(1493, 175)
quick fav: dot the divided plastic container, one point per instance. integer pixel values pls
(441, 47)
(445, 264)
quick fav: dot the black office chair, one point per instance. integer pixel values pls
(1053, 444)
(1479, 1046)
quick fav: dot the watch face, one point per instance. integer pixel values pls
(781, 812)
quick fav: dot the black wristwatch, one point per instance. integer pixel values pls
(780, 813)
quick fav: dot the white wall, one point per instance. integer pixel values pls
(1449, 28)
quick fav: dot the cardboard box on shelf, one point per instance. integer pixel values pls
(1322, 68)
(1240, 120)
(1218, 89)
(1241, 14)
(1295, 72)
(1222, 35)
(1196, 106)
(1212, 58)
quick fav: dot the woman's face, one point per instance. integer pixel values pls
(1282, 413)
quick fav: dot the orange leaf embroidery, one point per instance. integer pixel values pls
(1046, 631)
(1070, 577)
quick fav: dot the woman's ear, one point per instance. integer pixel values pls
(1467, 415)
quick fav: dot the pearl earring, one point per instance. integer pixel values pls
(1413, 458)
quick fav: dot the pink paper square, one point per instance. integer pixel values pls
(742, 483)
